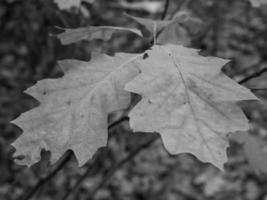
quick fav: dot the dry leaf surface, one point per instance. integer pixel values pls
(189, 101)
(73, 109)
(92, 33)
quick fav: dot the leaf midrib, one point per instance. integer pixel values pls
(189, 101)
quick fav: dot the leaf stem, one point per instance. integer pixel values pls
(166, 6)
(155, 33)
(253, 75)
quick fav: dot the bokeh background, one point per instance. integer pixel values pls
(29, 50)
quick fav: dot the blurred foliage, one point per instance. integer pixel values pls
(28, 53)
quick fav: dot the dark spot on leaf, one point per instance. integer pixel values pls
(19, 157)
(149, 102)
(44, 92)
(68, 102)
(145, 56)
(169, 54)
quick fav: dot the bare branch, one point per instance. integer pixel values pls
(42, 181)
(78, 183)
(120, 164)
(112, 171)
(60, 166)
(253, 75)
(166, 6)
(258, 89)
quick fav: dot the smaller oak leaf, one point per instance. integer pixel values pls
(74, 108)
(182, 30)
(189, 101)
(92, 33)
(175, 31)
(150, 24)
(255, 150)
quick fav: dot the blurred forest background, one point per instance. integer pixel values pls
(229, 29)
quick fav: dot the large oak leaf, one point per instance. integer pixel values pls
(74, 108)
(189, 101)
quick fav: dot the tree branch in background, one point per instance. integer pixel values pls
(62, 19)
(253, 75)
(134, 153)
(258, 89)
(115, 168)
(111, 172)
(68, 155)
(42, 181)
(78, 183)
(60, 166)
(166, 6)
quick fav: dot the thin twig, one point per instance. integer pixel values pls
(90, 167)
(258, 89)
(166, 6)
(155, 31)
(254, 75)
(42, 181)
(112, 125)
(62, 19)
(248, 69)
(78, 183)
(60, 166)
(183, 4)
(113, 170)
(58, 14)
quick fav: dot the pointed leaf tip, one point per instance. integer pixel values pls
(74, 108)
(189, 101)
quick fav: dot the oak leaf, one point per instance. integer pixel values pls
(74, 108)
(91, 33)
(189, 101)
